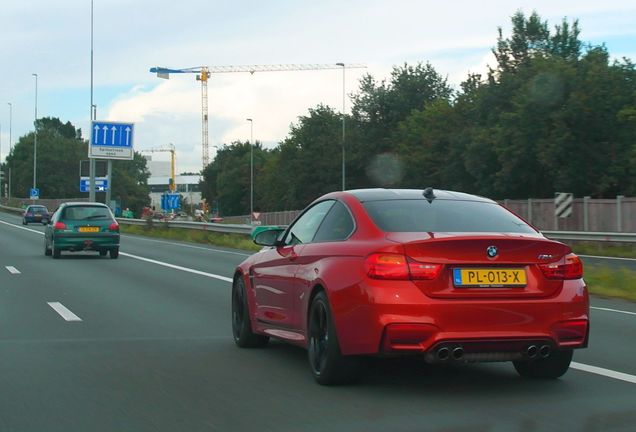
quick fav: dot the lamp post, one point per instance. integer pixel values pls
(251, 170)
(35, 136)
(343, 123)
(10, 141)
(91, 160)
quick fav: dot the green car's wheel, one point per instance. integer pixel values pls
(56, 252)
(47, 249)
(114, 253)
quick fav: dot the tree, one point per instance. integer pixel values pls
(60, 148)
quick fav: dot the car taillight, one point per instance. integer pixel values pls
(387, 266)
(113, 227)
(570, 267)
(59, 226)
(398, 267)
(424, 271)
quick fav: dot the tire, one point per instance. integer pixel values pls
(242, 332)
(114, 253)
(102, 253)
(328, 365)
(47, 249)
(24, 222)
(56, 252)
(551, 367)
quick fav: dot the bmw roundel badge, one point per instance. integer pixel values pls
(491, 251)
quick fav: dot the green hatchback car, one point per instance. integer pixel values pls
(82, 226)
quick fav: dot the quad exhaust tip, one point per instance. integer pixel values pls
(544, 351)
(458, 353)
(443, 354)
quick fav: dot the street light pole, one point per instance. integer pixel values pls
(251, 170)
(343, 123)
(10, 141)
(91, 160)
(35, 137)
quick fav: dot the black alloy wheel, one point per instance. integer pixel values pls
(114, 253)
(242, 332)
(328, 365)
(551, 367)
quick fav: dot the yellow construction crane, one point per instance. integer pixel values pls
(172, 186)
(204, 73)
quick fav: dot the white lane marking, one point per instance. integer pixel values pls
(176, 267)
(608, 258)
(21, 227)
(604, 372)
(63, 311)
(187, 246)
(12, 270)
(613, 310)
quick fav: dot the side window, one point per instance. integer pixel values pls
(305, 228)
(337, 225)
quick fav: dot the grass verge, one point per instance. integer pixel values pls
(611, 282)
(234, 241)
(604, 249)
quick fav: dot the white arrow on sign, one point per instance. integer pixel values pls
(105, 133)
(96, 134)
(114, 129)
(127, 135)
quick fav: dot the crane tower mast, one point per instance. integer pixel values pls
(204, 73)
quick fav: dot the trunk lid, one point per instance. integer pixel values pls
(511, 270)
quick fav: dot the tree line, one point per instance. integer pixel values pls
(554, 114)
(60, 147)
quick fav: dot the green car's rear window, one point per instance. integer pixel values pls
(86, 213)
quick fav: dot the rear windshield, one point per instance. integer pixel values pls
(444, 216)
(86, 213)
(38, 210)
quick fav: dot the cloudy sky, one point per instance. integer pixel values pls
(52, 39)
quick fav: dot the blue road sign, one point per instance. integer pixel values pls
(170, 201)
(112, 140)
(101, 185)
(34, 193)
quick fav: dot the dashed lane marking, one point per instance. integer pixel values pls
(64, 311)
(12, 270)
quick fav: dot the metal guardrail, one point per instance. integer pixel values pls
(201, 226)
(616, 237)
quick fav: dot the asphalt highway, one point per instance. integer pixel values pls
(143, 343)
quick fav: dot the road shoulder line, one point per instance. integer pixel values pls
(604, 372)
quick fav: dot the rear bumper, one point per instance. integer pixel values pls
(400, 319)
(72, 242)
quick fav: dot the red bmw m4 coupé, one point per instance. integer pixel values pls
(449, 276)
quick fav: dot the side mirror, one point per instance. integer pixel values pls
(267, 236)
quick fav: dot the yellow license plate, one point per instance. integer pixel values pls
(89, 229)
(478, 277)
